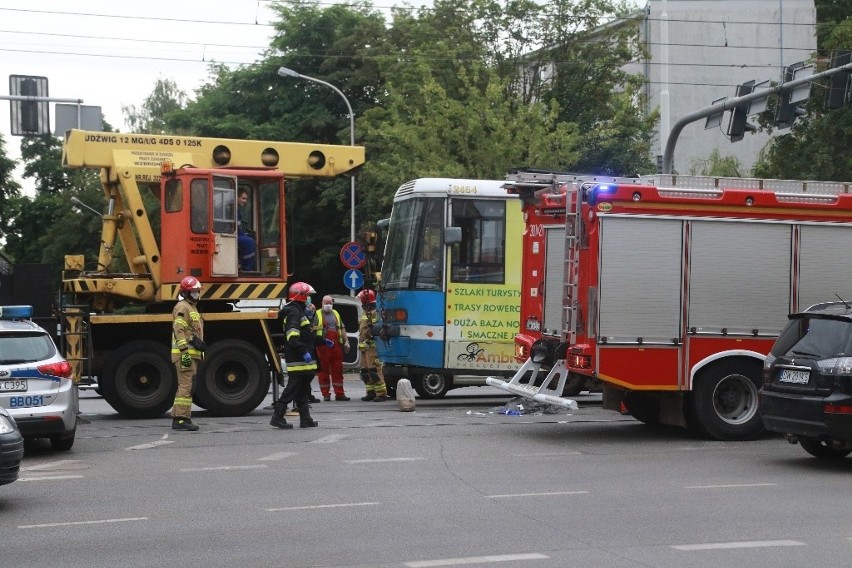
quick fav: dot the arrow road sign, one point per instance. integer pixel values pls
(354, 279)
(352, 255)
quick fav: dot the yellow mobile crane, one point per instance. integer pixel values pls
(116, 325)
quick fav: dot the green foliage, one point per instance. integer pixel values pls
(153, 115)
(717, 166)
(46, 227)
(9, 189)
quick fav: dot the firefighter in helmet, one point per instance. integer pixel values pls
(187, 349)
(300, 357)
(371, 367)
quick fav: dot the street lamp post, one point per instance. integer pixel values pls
(285, 72)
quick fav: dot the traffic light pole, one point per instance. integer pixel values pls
(721, 107)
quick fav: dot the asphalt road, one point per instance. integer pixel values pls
(451, 484)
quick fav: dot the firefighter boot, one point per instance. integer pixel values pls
(179, 423)
(305, 420)
(278, 417)
(368, 383)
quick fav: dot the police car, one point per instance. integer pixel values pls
(35, 381)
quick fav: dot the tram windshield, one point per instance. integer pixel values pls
(414, 251)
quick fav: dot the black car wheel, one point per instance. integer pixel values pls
(824, 450)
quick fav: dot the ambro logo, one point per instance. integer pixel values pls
(604, 207)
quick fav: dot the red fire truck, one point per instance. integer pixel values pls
(675, 288)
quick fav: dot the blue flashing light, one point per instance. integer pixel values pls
(600, 189)
(16, 312)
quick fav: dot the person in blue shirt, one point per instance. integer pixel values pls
(246, 245)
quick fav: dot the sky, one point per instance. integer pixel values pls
(110, 54)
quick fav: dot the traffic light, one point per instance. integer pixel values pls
(739, 124)
(788, 109)
(839, 91)
(29, 117)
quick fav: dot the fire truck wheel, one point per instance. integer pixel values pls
(643, 407)
(233, 379)
(723, 402)
(574, 385)
(432, 385)
(141, 380)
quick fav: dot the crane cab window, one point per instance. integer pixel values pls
(198, 206)
(224, 205)
(173, 196)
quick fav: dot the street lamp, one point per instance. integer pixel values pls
(285, 72)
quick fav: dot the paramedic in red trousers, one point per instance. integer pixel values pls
(332, 342)
(187, 348)
(300, 357)
(371, 367)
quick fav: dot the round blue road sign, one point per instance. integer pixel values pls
(354, 279)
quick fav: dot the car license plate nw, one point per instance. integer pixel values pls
(794, 377)
(13, 385)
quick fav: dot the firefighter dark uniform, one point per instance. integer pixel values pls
(371, 367)
(187, 345)
(299, 356)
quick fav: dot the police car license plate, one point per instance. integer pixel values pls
(13, 385)
(795, 377)
(26, 401)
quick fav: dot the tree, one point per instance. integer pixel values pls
(9, 189)
(716, 165)
(45, 228)
(152, 117)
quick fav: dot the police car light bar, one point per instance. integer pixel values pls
(16, 312)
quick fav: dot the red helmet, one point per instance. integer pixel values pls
(367, 297)
(300, 291)
(190, 284)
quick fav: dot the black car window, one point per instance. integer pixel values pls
(25, 347)
(816, 337)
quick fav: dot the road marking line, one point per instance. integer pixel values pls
(323, 506)
(224, 468)
(330, 438)
(546, 455)
(730, 486)
(745, 544)
(475, 560)
(278, 456)
(50, 478)
(380, 460)
(537, 494)
(161, 442)
(49, 465)
(103, 521)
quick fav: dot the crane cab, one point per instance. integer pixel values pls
(211, 236)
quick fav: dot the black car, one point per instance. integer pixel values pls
(807, 381)
(11, 448)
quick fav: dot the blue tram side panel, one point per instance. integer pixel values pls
(449, 296)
